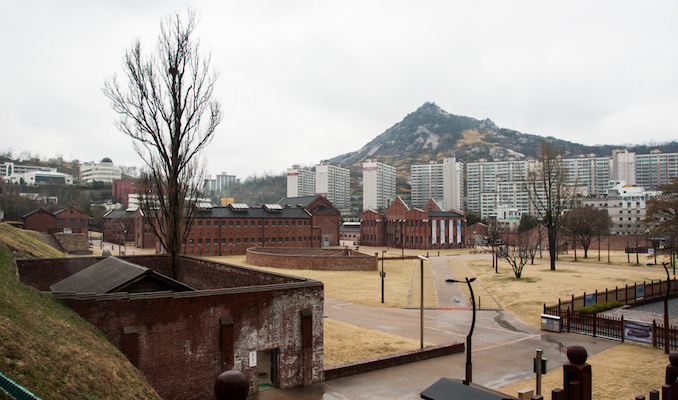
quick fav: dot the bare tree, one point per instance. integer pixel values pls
(585, 223)
(493, 241)
(547, 188)
(516, 252)
(662, 216)
(167, 109)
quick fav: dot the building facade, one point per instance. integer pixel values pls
(441, 182)
(119, 226)
(491, 184)
(300, 182)
(334, 183)
(590, 174)
(68, 220)
(231, 230)
(427, 228)
(379, 185)
(104, 172)
(655, 169)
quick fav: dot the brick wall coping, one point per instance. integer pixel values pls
(198, 293)
(308, 252)
(373, 364)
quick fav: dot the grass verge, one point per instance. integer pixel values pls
(47, 348)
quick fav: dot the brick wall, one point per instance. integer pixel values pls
(41, 221)
(315, 259)
(176, 341)
(182, 341)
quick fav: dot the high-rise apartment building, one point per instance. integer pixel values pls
(428, 183)
(379, 185)
(453, 191)
(590, 174)
(300, 182)
(623, 166)
(490, 184)
(655, 169)
(334, 183)
(441, 182)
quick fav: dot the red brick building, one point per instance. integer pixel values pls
(426, 229)
(267, 325)
(233, 229)
(121, 190)
(68, 220)
(144, 238)
(40, 220)
(325, 216)
(119, 226)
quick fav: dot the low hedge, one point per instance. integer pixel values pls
(596, 308)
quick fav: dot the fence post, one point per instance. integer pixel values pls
(559, 394)
(666, 391)
(654, 394)
(616, 293)
(623, 329)
(654, 334)
(626, 294)
(595, 322)
(606, 300)
(568, 320)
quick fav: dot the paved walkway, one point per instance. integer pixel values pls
(503, 347)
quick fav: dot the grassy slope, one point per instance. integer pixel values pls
(49, 349)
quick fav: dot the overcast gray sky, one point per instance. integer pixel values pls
(302, 81)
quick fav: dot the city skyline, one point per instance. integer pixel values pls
(308, 81)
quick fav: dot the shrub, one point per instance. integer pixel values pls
(596, 308)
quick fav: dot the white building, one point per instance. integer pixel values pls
(33, 175)
(379, 185)
(623, 166)
(334, 183)
(626, 206)
(300, 182)
(590, 174)
(428, 183)
(104, 172)
(453, 176)
(490, 184)
(441, 182)
(221, 182)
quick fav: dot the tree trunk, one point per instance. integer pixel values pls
(552, 247)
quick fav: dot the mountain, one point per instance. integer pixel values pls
(430, 134)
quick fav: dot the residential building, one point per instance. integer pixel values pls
(300, 181)
(428, 183)
(623, 166)
(655, 169)
(425, 228)
(104, 172)
(491, 184)
(626, 206)
(589, 173)
(379, 185)
(453, 179)
(221, 182)
(334, 183)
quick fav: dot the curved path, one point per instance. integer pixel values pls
(503, 346)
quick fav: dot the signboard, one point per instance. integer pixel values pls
(68, 230)
(253, 358)
(640, 291)
(590, 300)
(638, 332)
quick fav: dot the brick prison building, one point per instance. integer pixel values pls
(182, 332)
(427, 229)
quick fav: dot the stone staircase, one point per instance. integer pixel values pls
(73, 243)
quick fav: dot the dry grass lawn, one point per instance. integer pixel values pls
(525, 297)
(401, 284)
(622, 372)
(340, 343)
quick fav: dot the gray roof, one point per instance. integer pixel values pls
(108, 275)
(120, 214)
(445, 214)
(303, 201)
(253, 212)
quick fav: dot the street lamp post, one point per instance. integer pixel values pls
(383, 275)
(469, 364)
